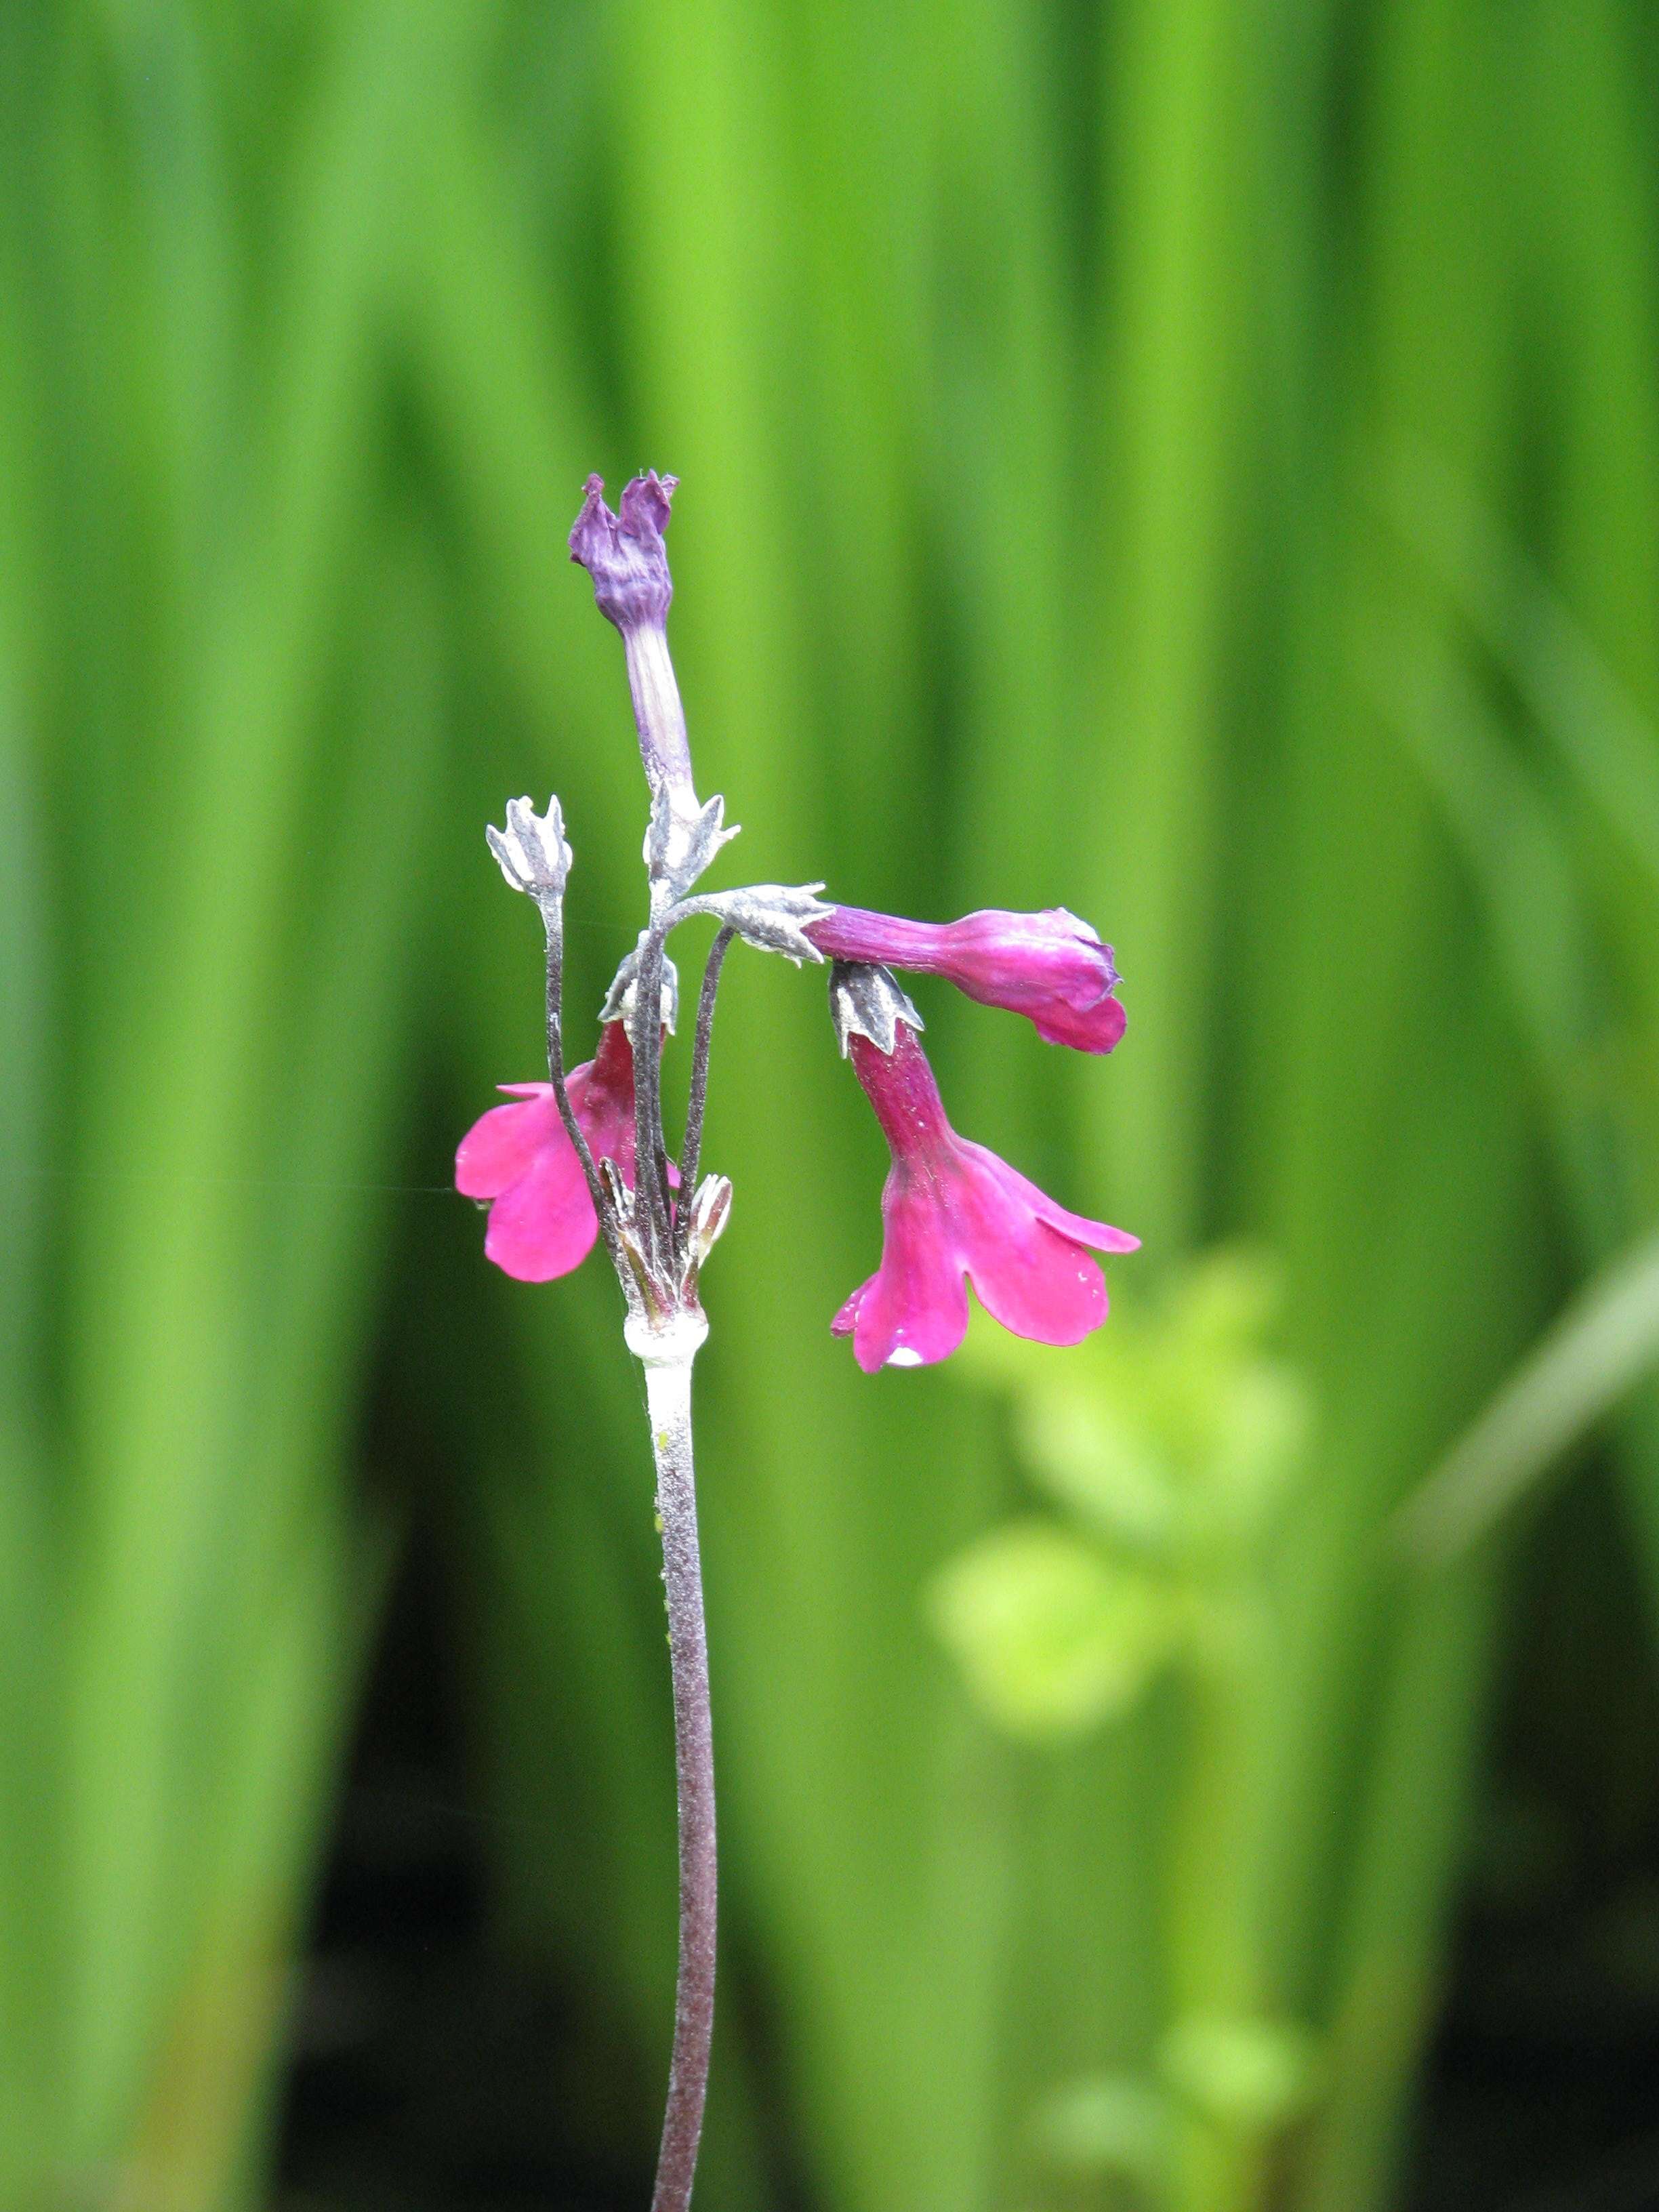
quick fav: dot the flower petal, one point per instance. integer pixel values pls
(1092, 1028)
(608, 1125)
(1034, 1281)
(1039, 1285)
(501, 1145)
(544, 1225)
(1099, 1234)
(954, 1213)
(913, 1311)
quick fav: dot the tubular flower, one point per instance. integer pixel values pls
(1049, 966)
(541, 1217)
(951, 1209)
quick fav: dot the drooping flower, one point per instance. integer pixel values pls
(953, 1213)
(1049, 966)
(518, 1157)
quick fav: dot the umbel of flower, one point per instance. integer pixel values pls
(584, 1158)
(954, 1214)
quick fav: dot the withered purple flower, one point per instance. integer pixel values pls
(584, 1158)
(625, 556)
(624, 553)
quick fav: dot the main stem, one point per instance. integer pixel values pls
(667, 1357)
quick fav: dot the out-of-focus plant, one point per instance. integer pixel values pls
(1597, 1352)
(1169, 1446)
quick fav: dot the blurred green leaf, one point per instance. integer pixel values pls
(1263, 1424)
(1053, 1637)
(1107, 2124)
(1082, 1446)
(1171, 1434)
(1249, 2073)
(1225, 1303)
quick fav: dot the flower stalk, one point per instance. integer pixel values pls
(666, 1356)
(553, 923)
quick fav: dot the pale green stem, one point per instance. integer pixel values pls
(666, 1355)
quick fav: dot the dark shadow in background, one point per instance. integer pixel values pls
(1543, 2090)
(435, 2070)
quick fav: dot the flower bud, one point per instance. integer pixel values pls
(620, 998)
(709, 1211)
(1049, 966)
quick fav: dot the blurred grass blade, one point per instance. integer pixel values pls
(1174, 375)
(1389, 1950)
(31, 1652)
(1520, 855)
(1599, 730)
(1601, 1346)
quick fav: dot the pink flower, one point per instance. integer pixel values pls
(541, 1220)
(951, 1209)
(1049, 966)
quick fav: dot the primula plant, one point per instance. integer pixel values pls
(583, 1158)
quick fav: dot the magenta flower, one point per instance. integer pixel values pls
(1049, 966)
(953, 1211)
(542, 1223)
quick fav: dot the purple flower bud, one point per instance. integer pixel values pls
(954, 1213)
(625, 556)
(1049, 966)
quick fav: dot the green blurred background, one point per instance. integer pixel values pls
(1194, 460)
